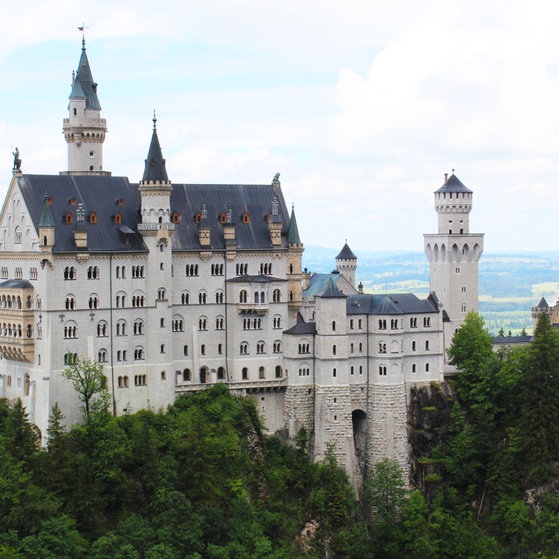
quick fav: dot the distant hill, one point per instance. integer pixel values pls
(510, 283)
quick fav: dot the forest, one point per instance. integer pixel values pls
(200, 480)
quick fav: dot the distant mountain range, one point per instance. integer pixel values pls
(510, 283)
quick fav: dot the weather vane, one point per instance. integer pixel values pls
(82, 28)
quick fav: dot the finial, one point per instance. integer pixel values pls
(445, 178)
(82, 28)
(154, 119)
(453, 171)
(292, 206)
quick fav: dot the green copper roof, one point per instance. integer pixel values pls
(293, 231)
(46, 219)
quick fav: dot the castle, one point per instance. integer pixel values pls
(174, 287)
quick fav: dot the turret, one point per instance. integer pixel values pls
(346, 264)
(84, 129)
(295, 276)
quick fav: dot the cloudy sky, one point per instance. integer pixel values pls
(360, 105)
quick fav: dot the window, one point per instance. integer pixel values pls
(278, 372)
(382, 324)
(351, 348)
(137, 301)
(175, 218)
(333, 325)
(276, 296)
(219, 297)
(413, 368)
(93, 302)
(70, 331)
(162, 323)
(457, 270)
(219, 323)
(334, 349)
(19, 272)
(93, 217)
(93, 272)
(394, 324)
(216, 269)
(351, 370)
(70, 358)
(186, 375)
(70, 303)
(463, 289)
(334, 372)
(202, 323)
(360, 324)
(191, 270)
(137, 272)
(161, 294)
(382, 370)
(140, 380)
(118, 218)
(185, 350)
(260, 347)
(120, 300)
(121, 355)
(123, 382)
(243, 349)
(102, 356)
(68, 219)
(69, 273)
(426, 321)
(427, 345)
(241, 269)
(139, 353)
(162, 348)
(426, 367)
(413, 322)
(185, 298)
(382, 347)
(220, 373)
(33, 273)
(178, 325)
(265, 269)
(413, 346)
(304, 347)
(220, 349)
(277, 321)
(243, 296)
(202, 297)
(203, 349)
(463, 308)
(261, 373)
(138, 327)
(121, 328)
(277, 346)
(245, 373)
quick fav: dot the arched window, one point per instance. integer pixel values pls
(186, 375)
(276, 296)
(220, 373)
(243, 296)
(185, 298)
(261, 373)
(101, 329)
(243, 349)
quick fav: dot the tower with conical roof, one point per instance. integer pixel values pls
(346, 264)
(295, 276)
(453, 255)
(84, 129)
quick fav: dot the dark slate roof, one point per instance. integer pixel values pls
(331, 291)
(16, 284)
(98, 194)
(302, 328)
(512, 340)
(155, 170)
(255, 200)
(255, 279)
(542, 304)
(453, 184)
(397, 303)
(293, 231)
(346, 254)
(318, 283)
(85, 86)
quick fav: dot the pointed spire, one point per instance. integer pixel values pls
(83, 84)
(46, 219)
(293, 231)
(346, 253)
(331, 290)
(155, 170)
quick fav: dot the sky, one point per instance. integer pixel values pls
(361, 105)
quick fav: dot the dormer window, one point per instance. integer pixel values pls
(69, 218)
(223, 218)
(120, 202)
(118, 218)
(197, 218)
(73, 201)
(175, 217)
(246, 218)
(92, 217)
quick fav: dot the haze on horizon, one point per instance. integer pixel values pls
(360, 107)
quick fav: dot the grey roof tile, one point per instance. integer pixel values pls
(453, 184)
(346, 254)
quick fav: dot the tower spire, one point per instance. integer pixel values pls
(155, 170)
(84, 129)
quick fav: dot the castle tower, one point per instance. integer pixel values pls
(156, 228)
(346, 264)
(84, 129)
(294, 267)
(453, 255)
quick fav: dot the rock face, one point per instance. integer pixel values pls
(429, 413)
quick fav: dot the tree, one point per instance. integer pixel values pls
(89, 382)
(386, 490)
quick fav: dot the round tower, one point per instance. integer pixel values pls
(84, 129)
(346, 264)
(453, 255)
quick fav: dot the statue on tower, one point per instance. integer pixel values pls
(17, 160)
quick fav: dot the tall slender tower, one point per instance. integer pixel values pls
(84, 129)
(453, 255)
(346, 264)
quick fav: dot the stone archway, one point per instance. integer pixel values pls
(359, 422)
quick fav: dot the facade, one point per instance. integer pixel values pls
(173, 287)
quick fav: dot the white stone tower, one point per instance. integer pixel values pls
(84, 129)
(346, 264)
(453, 255)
